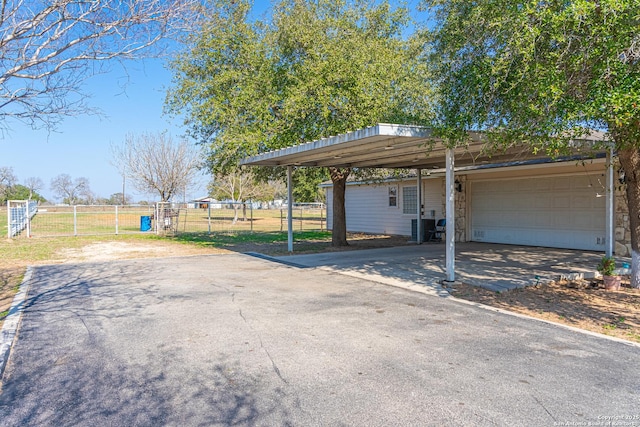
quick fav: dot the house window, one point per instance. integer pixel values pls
(393, 196)
(409, 200)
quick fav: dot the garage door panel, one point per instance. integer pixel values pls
(582, 201)
(510, 187)
(527, 217)
(561, 184)
(543, 185)
(520, 203)
(582, 220)
(544, 202)
(559, 212)
(562, 220)
(561, 201)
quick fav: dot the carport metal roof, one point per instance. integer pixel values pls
(411, 147)
(387, 146)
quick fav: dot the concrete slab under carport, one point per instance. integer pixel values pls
(422, 267)
(395, 146)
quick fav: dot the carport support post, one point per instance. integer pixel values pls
(450, 217)
(610, 232)
(289, 209)
(419, 203)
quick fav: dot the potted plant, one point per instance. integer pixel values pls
(607, 268)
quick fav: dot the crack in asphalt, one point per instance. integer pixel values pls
(273, 363)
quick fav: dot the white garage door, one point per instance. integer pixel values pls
(559, 212)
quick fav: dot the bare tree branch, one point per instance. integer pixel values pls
(154, 163)
(48, 48)
(70, 190)
(34, 184)
(241, 185)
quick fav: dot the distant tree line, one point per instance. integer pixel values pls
(67, 189)
(10, 189)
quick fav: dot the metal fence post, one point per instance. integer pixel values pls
(28, 220)
(186, 211)
(157, 209)
(251, 212)
(8, 219)
(209, 215)
(116, 220)
(75, 220)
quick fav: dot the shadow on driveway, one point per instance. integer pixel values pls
(236, 340)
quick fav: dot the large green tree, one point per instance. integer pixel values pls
(316, 68)
(543, 73)
(22, 192)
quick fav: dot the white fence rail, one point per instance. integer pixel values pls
(19, 214)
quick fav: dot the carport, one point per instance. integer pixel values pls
(395, 146)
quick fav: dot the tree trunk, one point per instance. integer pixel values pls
(339, 233)
(235, 213)
(630, 162)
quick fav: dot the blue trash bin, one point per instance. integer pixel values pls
(145, 223)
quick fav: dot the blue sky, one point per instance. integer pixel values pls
(131, 101)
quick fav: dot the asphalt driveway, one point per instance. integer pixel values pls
(236, 340)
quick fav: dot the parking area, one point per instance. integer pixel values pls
(238, 340)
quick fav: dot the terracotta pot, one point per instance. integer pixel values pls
(611, 283)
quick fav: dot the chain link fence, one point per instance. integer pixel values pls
(237, 217)
(161, 218)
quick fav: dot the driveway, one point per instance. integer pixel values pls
(237, 340)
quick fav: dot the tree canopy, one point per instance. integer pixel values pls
(543, 73)
(22, 192)
(315, 69)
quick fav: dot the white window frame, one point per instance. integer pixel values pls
(393, 195)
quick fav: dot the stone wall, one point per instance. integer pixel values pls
(621, 222)
(460, 199)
